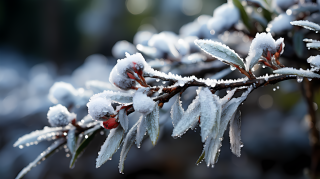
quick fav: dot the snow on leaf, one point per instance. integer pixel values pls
(314, 45)
(110, 146)
(292, 71)
(306, 24)
(40, 135)
(128, 142)
(227, 97)
(235, 134)
(314, 61)
(210, 111)
(152, 121)
(118, 96)
(83, 145)
(176, 111)
(221, 52)
(71, 140)
(142, 103)
(45, 154)
(123, 119)
(310, 40)
(141, 130)
(188, 119)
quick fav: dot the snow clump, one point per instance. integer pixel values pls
(142, 103)
(63, 93)
(59, 116)
(100, 108)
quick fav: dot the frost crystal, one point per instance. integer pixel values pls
(99, 107)
(59, 116)
(292, 71)
(63, 93)
(142, 103)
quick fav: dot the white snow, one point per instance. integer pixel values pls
(314, 61)
(306, 24)
(121, 47)
(314, 45)
(123, 83)
(310, 40)
(129, 63)
(118, 96)
(142, 103)
(99, 107)
(182, 47)
(280, 24)
(292, 71)
(59, 116)
(262, 43)
(63, 93)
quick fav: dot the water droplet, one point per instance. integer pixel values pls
(157, 80)
(86, 136)
(309, 79)
(232, 67)
(299, 79)
(263, 66)
(308, 48)
(27, 144)
(65, 134)
(163, 82)
(67, 155)
(20, 146)
(101, 132)
(277, 87)
(274, 89)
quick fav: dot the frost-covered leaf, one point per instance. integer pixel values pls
(314, 45)
(310, 40)
(188, 119)
(221, 52)
(47, 133)
(152, 121)
(72, 140)
(210, 112)
(306, 24)
(176, 111)
(314, 61)
(123, 119)
(128, 142)
(45, 154)
(227, 97)
(82, 146)
(292, 71)
(120, 97)
(235, 134)
(110, 146)
(141, 130)
(99, 86)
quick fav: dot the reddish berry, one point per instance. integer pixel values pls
(110, 123)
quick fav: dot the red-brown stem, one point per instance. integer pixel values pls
(249, 75)
(268, 65)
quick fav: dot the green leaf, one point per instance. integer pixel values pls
(201, 157)
(45, 154)
(244, 15)
(152, 120)
(83, 145)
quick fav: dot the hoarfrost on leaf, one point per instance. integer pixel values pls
(314, 45)
(123, 119)
(292, 71)
(176, 111)
(314, 61)
(110, 146)
(221, 52)
(306, 24)
(152, 120)
(141, 130)
(235, 134)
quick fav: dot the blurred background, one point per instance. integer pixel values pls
(42, 42)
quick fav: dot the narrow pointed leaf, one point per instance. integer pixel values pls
(123, 119)
(210, 111)
(244, 16)
(141, 130)
(306, 24)
(235, 134)
(201, 158)
(116, 96)
(188, 119)
(82, 146)
(40, 135)
(152, 121)
(176, 111)
(45, 154)
(221, 52)
(72, 140)
(128, 142)
(292, 71)
(110, 146)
